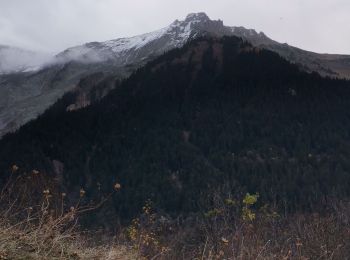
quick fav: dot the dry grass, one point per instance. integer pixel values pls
(226, 232)
(19, 244)
(49, 238)
(36, 222)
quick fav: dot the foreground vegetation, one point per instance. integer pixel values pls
(39, 222)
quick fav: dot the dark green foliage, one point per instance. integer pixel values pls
(175, 130)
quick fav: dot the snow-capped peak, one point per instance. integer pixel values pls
(140, 48)
(125, 50)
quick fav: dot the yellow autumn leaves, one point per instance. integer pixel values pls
(248, 201)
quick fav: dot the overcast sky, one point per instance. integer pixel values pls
(53, 25)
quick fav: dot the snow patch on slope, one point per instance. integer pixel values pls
(136, 42)
(174, 35)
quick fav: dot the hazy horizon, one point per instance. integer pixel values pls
(52, 26)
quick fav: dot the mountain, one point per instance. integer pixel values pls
(26, 95)
(217, 114)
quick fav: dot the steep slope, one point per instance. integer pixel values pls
(24, 96)
(215, 114)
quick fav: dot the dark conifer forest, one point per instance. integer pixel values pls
(216, 114)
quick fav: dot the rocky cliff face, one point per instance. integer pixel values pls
(26, 94)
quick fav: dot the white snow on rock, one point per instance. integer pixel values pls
(174, 35)
(122, 51)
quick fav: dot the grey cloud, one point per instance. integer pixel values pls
(15, 59)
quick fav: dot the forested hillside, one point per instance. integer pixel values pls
(217, 114)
